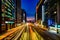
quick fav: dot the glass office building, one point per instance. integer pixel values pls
(8, 9)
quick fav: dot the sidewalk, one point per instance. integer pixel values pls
(43, 27)
(9, 32)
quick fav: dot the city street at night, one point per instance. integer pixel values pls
(29, 32)
(29, 20)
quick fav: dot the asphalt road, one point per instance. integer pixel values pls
(30, 34)
(36, 33)
(46, 34)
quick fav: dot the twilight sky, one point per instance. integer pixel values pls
(29, 6)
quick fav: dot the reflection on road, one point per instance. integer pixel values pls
(30, 34)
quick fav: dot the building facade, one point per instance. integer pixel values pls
(18, 12)
(8, 10)
(23, 16)
(50, 11)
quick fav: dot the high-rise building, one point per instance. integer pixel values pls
(51, 13)
(8, 9)
(0, 16)
(23, 15)
(18, 11)
(39, 10)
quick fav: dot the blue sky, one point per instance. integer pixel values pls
(29, 6)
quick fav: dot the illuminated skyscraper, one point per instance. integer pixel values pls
(8, 9)
(23, 15)
(18, 11)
